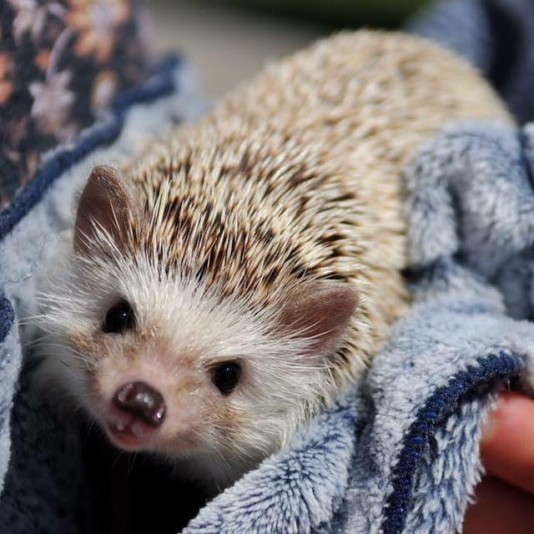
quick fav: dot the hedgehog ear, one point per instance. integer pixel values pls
(320, 314)
(106, 204)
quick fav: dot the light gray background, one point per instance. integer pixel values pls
(226, 45)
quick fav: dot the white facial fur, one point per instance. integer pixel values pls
(182, 329)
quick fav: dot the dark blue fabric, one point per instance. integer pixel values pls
(7, 316)
(492, 370)
(160, 84)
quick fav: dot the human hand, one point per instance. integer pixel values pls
(505, 497)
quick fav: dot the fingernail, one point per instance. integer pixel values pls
(489, 428)
(491, 425)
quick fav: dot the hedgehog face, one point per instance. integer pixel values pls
(167, 364)
(165, 367)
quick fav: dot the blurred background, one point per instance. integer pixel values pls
(229, 41)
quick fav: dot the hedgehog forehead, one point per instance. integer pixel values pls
(234, 260)
(182, 312)
(225, 244)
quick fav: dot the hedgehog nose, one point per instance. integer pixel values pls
(142, 401)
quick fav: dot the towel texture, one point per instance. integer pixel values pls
(398, 453)
(496, 36)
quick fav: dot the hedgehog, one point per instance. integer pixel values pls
(235, 278)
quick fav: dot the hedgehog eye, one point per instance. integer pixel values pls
(119, 318)
(226, 376)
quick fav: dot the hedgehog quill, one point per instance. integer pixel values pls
(221, 289)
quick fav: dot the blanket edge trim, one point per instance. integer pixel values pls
(441, 404)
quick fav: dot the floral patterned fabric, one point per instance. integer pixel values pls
(61, 63)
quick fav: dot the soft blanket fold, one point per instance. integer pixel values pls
(398, 453)
(496, 36)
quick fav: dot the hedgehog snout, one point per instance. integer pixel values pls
(142, 401)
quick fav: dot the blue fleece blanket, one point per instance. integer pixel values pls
(399, 453)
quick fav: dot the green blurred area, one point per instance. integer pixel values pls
(338, 13)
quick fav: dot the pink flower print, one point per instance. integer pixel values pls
(31, 17)
(52, 102)
(104, 89)
(96, 23)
